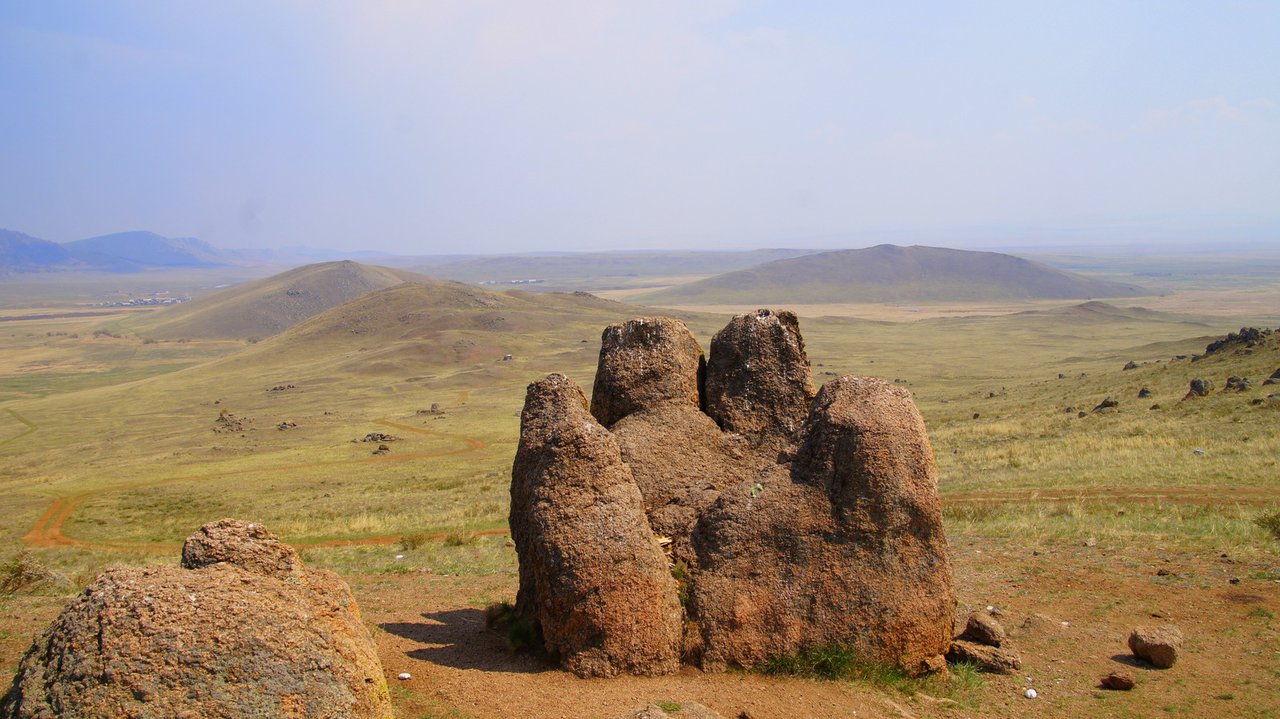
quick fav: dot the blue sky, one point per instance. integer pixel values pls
(436, 127)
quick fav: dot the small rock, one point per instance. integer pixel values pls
(1130, 365)
(1158, 645)
(1036, 624)
(1144, 393)
(1091, 542)
(1031, 693)
(1118, 681)
(1082, 414)
(1109, 403)
(983, 629)
(989, 659)
(404, 676)
(1199, 387)
(1238, 384)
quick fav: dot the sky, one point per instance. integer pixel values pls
(433, 126)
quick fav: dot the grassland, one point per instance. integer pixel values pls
(108, 448)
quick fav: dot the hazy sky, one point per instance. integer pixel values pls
(434, 126)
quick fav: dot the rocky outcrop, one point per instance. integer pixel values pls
(234, 635)
(794, 521)
(592, 574)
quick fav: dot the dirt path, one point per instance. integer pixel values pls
(48, 529)
(30, 427)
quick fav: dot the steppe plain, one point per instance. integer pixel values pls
(117, 442)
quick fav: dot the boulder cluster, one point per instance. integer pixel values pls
(240, 629)
(722, 512)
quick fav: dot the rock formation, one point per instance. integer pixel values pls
(791, 521)
(591, 571)
(241, 630)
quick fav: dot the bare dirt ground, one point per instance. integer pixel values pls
(1086, 601)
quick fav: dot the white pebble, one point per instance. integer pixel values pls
(399, 557)
(404, 676)
(1031, 694)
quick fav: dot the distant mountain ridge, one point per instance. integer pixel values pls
(132, 251)
(889, 273)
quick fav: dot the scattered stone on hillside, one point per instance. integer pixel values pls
(646, 363)
(976, 415)
(286, 425)
(244, 631)
(1238, 384)
(1246, 338)
(1155, 406)
(1256, 401)
(379, 437)
(1037, 624)
(758, 379)
(1082, 414)
(592, 575)
(1108, 404)
(382, 449)
(992, 660)
(435, 409)
(281, 388)
(1069, 410)
(228, 422)
(245, 544)
(1130, 365)
(1199, 387)
(983, 628)
(823, 529)
(1117, 681)
(1158, 645)
(1144, 393)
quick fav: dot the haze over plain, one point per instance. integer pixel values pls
(424, 128)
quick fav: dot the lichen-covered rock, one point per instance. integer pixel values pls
(845, 547)
(646, 363)
(220, 641)
(245, 544)
(758, 378)
(591, 572)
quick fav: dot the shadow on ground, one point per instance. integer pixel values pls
(458, 638)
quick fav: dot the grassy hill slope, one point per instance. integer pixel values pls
(888, 273)
(268, 306)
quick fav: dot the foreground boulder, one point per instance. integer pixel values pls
(792, 522)
(592, 574)
(223, 639)
(1158, 645)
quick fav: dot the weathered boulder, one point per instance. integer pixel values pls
(759, 382)
(1144, 393)
(591, 572)
(245, 544)
(1157, 645)
(224, 639)
(1238, 384)
(1200, 387)
(646, 363)
(1107, 405)
(844, 547)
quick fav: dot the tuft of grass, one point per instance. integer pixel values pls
(1262, 613)
(409, 542)
(521, 632)
(680, 572)
(669, 707)
(1270, 522)
(21, 573)
(459, 539)
(840, 663)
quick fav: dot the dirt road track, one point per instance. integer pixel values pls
(1126, 495)
(48, 529)
(30, 427)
